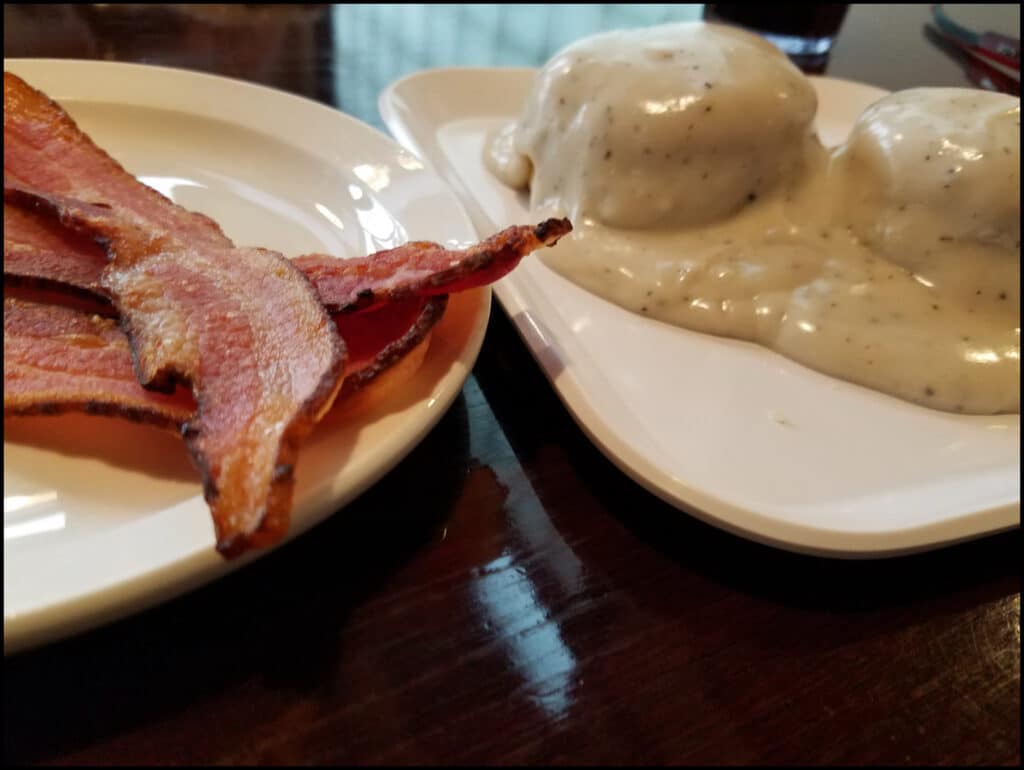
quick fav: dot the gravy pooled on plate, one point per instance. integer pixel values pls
(686, 157)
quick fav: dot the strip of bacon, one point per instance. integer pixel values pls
(45, 150)
(242, 326)
(38, 251)
(58, 359)
(419, 268)
(422, 268)
(61, 360)
(377, 340)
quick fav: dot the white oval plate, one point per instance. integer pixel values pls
(102, 517)
(728, 431)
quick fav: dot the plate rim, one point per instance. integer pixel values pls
(72, 613)
(750, 524)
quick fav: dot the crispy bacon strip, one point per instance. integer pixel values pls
(58, 359)
(45, 150)
(378, 339)
(419, 268)
(242, 326)
(61, 360)
(39, 251)
(422, 268)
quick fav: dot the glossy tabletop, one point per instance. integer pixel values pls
(505, 595)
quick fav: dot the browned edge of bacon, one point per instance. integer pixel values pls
(423, 268)
(40, 252)
(382, 337)
(58, 359)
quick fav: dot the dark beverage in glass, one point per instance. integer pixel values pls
(804, 31)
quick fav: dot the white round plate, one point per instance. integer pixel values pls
(102, 517)
(725, 430)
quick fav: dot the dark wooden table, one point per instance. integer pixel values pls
(506, 595)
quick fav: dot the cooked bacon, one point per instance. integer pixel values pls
(42, 294)
(422, 268)
(39, 251)
(45, 150)
(377, 339)
(242, 326)
(264, 359)
(61, 360)
(419, 268)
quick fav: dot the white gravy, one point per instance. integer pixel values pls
(684, 154)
